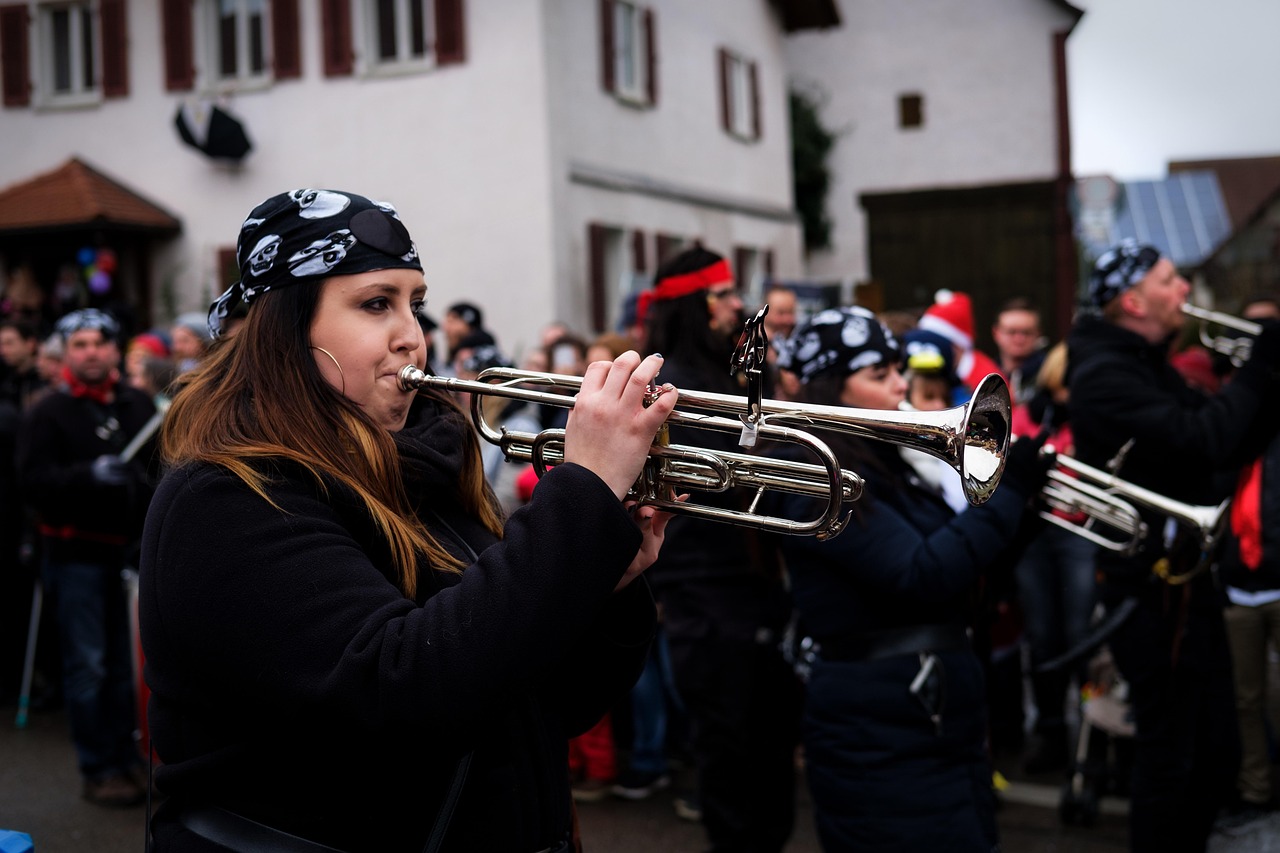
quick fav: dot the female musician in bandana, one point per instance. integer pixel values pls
(894, 719)
(345, 643)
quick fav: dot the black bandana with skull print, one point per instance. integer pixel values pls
(309, 235)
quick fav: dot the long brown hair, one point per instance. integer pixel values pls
(261, 396)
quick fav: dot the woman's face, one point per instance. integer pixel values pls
(368, 322)
(880, 386)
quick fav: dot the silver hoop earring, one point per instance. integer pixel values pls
(341, 375)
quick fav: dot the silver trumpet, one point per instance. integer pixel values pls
(973, 439)
(1111, 512)
(1238, 349)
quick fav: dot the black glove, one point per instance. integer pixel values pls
(1263, 366)
(1266, 346)
(110, 470)
(1026, 468)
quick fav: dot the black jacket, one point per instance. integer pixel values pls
(1267, 574)
(1122, 388)
(57, 442)
(882, 774)
(294, 684)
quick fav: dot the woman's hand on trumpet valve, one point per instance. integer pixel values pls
(610, 427)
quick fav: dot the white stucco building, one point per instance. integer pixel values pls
(934, 102)
(545, 154)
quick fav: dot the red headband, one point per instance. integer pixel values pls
(682, 285)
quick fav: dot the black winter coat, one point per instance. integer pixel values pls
(58, 440)
(1122, 388)
(882, 775)
(294, 684)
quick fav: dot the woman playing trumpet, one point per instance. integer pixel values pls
(894, 723)
(345, 642)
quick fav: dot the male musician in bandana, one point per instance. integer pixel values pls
(90, 504)
(1128, 403)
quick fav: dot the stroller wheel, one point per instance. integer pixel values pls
(1078, 808)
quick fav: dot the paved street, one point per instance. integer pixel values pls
(40, 795)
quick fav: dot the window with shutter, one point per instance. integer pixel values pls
(413, 35)
(286, 40)
(335, 19)
(233, 42)
(115, 48)
(739, 96)
(630, 52)
(67, 51)
(179, 54)
(15, 55)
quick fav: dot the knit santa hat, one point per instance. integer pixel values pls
(950, 315)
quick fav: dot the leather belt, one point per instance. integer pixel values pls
(906, 640)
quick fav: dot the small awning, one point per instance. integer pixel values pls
(76, 196)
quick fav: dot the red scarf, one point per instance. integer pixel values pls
(100, 392)
(1246, 515)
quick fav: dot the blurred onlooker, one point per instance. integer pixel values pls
(191, 338)
(951, 315)
(500, 413)
(1250, 570)
(780, 322)
(49, 359)
(463, 325)
(608, 346)
(19, 347)
(1055, 579)
(90, 503)
(1019, 349)
(930, 365)
(567, 356)
(20, 386)
(932, 385)
(142, 347)
(155, 376)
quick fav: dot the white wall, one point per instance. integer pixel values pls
(985, 70)
(678, 144)
(461, 151)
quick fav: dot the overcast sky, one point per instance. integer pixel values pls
(1159, 80)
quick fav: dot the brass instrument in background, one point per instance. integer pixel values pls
(1113, 520)
(1236, 348)
(972, 439)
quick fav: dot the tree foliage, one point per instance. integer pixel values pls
(811, 143)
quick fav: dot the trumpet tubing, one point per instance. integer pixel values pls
(1112, 508)
(973, 439)
(1236, 348)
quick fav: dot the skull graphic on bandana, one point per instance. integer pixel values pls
(318, 204)
(322, 255)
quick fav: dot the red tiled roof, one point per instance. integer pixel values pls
(76, 194)
(1246, 182)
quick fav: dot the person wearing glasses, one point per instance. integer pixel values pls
(348, 647)
(724, 604)
(1019, 348)
(1133, 413)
